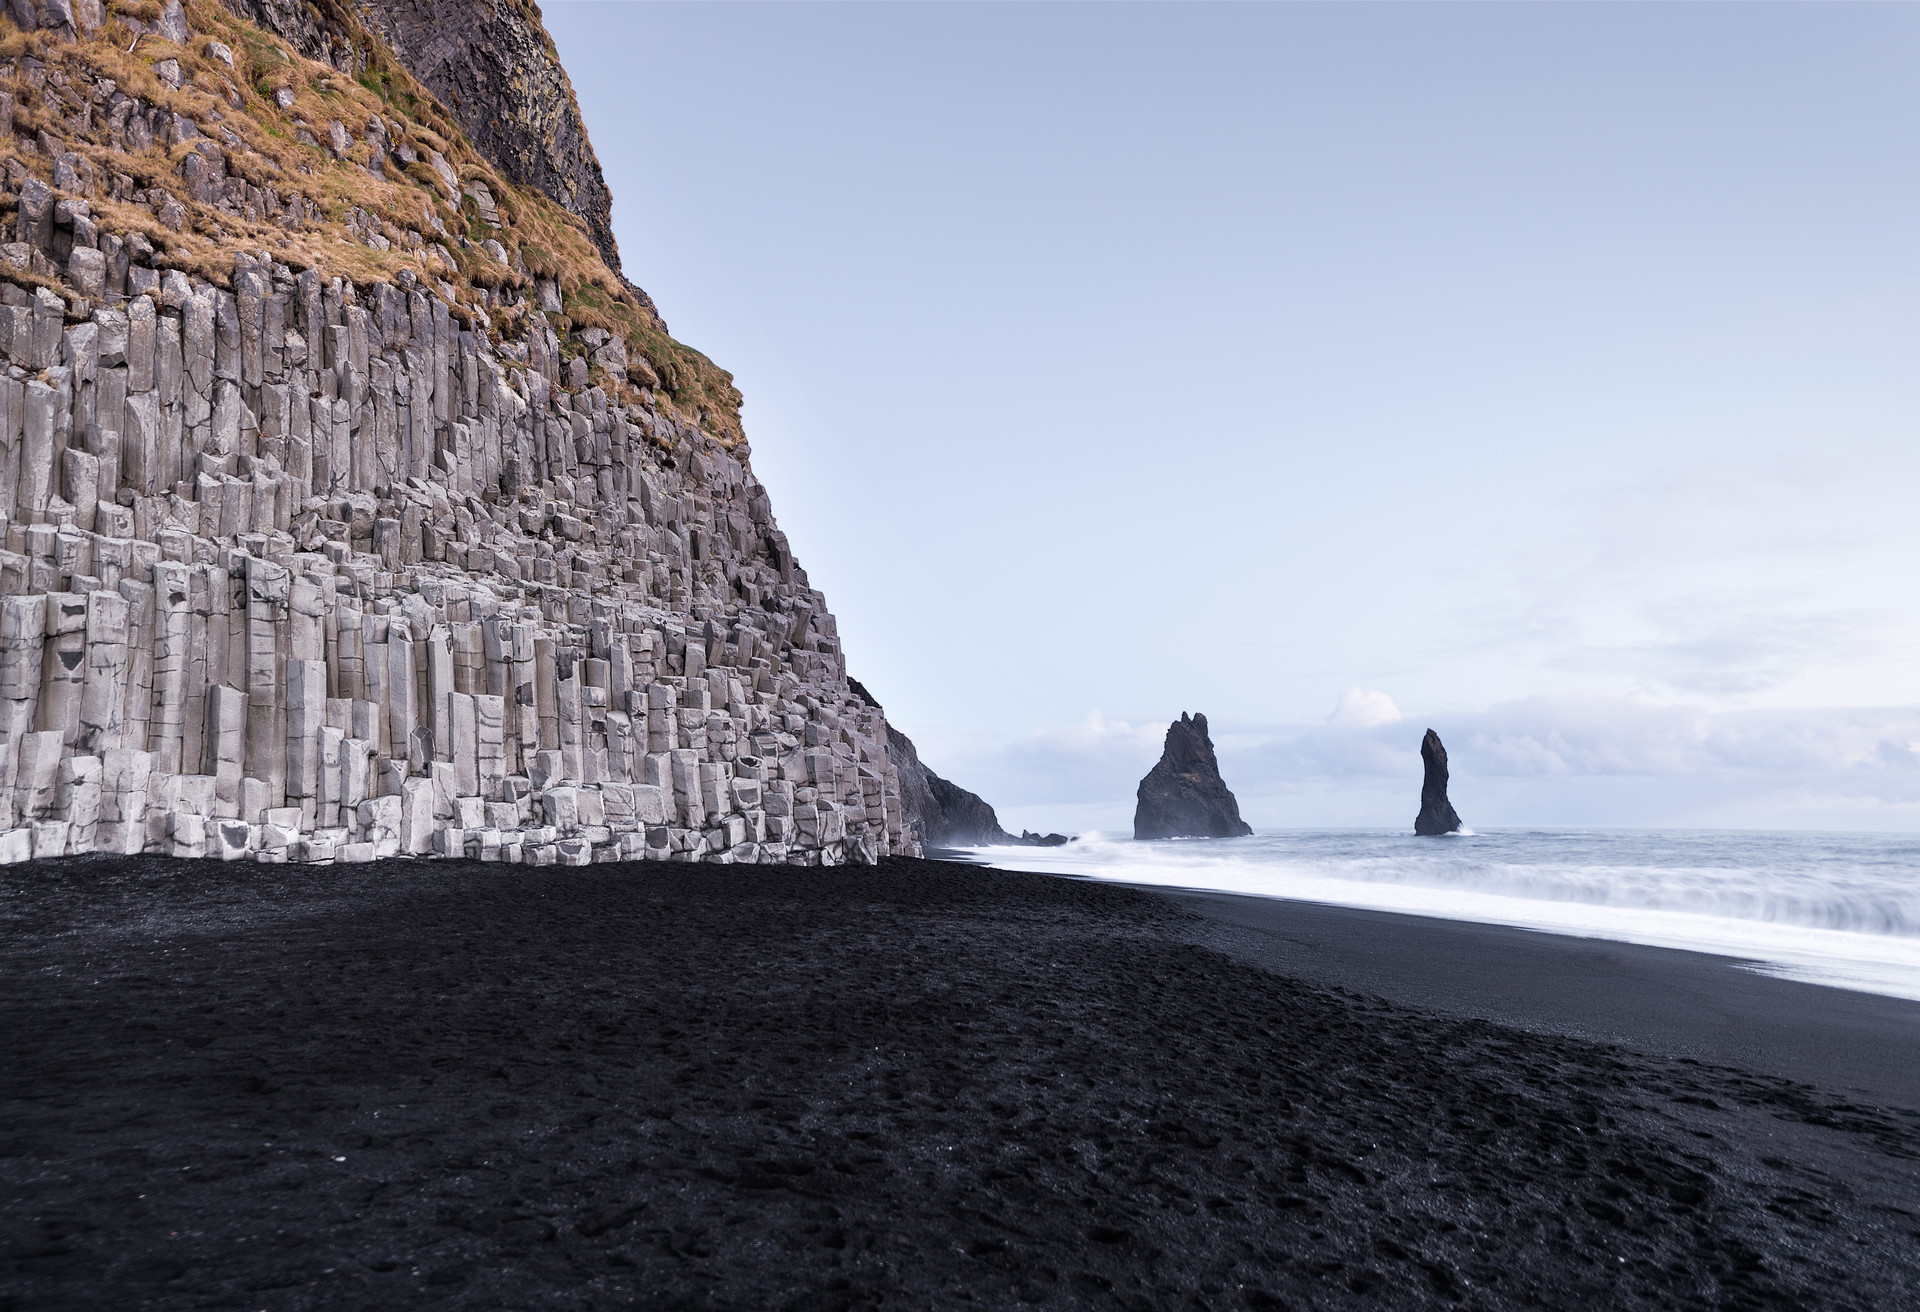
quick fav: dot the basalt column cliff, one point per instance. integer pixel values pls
(352, 501)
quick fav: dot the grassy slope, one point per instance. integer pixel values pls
(540, 238)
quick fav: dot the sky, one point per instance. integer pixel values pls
(1548, 375)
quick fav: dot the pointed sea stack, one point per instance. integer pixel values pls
(1184, 796)
(1437, 815)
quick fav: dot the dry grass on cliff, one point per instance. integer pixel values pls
(412, 204)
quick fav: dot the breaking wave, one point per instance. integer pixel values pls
(1837, 909)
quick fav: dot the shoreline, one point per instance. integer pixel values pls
(1853, 932)
(1680, 1003)
(919, 1085)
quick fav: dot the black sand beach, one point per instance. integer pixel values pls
(1684, 1004)
(928, 1085)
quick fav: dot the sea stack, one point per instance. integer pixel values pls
(1184, 796)
(1437, 815)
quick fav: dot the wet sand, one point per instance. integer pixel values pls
(1682, 1004)
(928, 1085)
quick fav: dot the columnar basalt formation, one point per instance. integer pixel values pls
(1437, 815)
(336, 525)
(1183, 796)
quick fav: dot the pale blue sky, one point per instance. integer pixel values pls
(1549, 370)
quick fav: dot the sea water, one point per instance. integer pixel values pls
(1835, 909)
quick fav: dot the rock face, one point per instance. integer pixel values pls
(936, 813)
(1436, 812)
(319, 541)
(1183, 796)
(940, 813)
(492, 64)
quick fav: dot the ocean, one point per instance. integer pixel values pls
(1839, 909)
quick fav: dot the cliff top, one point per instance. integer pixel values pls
(189, 129)
(494, 66)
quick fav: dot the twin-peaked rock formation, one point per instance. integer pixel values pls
(1183, 796)
(335, 522)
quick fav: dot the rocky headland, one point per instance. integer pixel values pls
(352, 501)
(1183, 796)
(938, 812)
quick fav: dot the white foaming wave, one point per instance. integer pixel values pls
(1738, 894)
(1842, 926)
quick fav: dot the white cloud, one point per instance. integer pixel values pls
(1092, 761)
(1358, 709)
(1572, 737)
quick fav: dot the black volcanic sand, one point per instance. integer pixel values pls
(1860, 1046)
(923, 1086)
